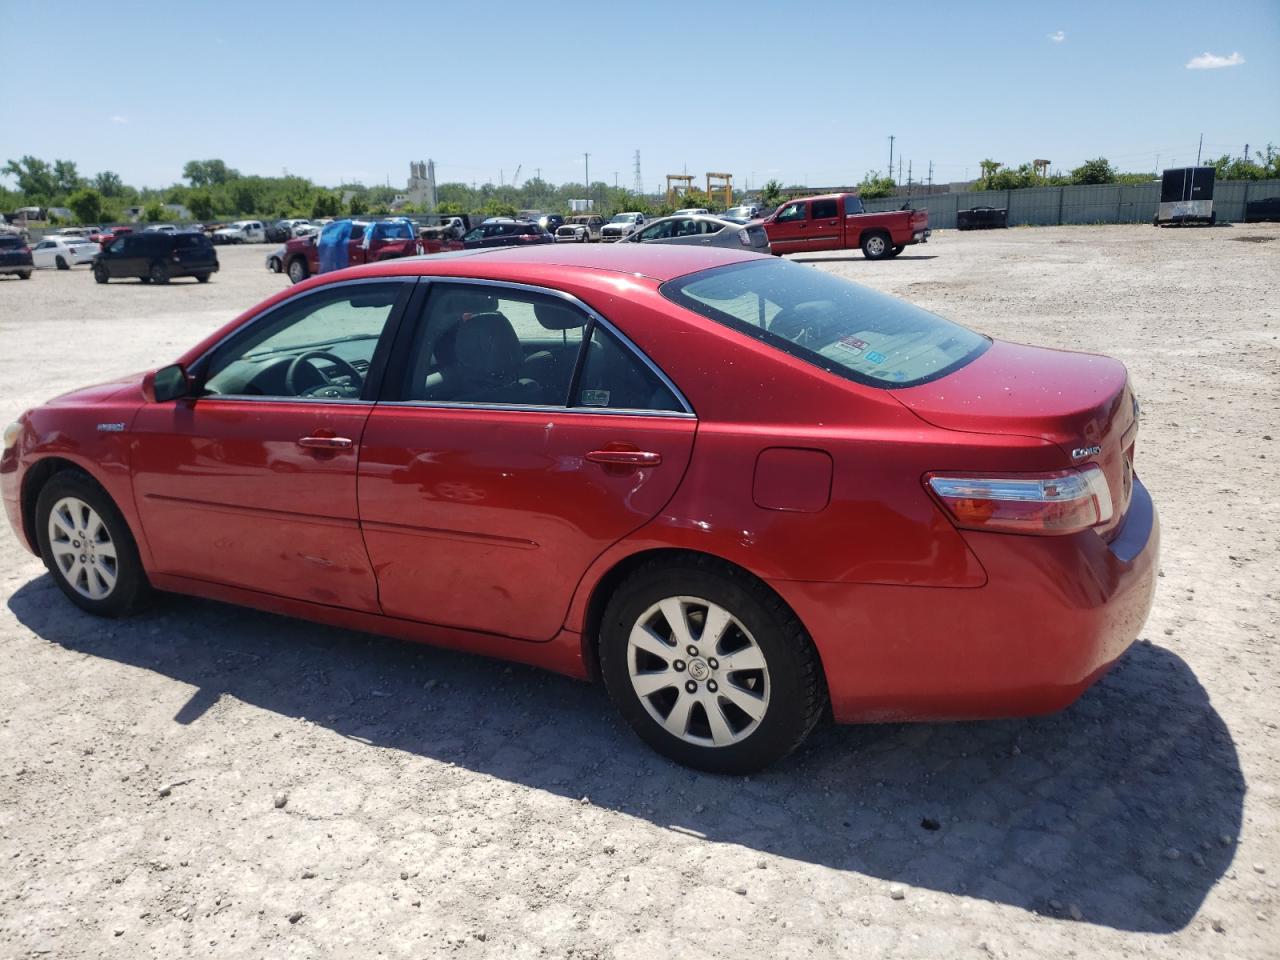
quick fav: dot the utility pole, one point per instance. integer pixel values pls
(586, 176)
(899, 180)
(538, 172)
(615, 179)
(1157, 165)
(638, 186)
(891, 155)
(930, 174)
(908, 175)
(1198, 149)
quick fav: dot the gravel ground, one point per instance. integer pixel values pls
(207, 781)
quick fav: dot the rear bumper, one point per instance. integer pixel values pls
(16, 267)
(1054, 615)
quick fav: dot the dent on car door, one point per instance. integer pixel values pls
(520, 437)
(252, 483)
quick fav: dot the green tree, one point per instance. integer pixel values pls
(86, 203)
(449, 209)
(497, 208)
(66, 176)
(207, 173)
(1098, 170)
(357, 206)
(873, 186)
(325, 204)
(244, 199)
(35, 178)
(153, 212)
(109, 184)
(771, 194)
(200, 203)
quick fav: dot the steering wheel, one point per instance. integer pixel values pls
(336, 390)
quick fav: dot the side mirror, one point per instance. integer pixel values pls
(167, 383)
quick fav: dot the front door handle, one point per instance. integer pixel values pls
(625, 458)
(325, 443)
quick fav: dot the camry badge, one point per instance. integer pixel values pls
(1079, 453)
(111, 428)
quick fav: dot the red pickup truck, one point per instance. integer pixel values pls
(387, 240)
(838, 222)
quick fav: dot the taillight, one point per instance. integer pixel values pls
(1046, 504)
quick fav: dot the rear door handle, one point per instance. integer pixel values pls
(325, 443)
(626, 458)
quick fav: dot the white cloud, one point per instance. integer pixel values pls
(119, 119)
(1211, 61)
(1057, 36)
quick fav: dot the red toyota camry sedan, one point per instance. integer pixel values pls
(740, 491)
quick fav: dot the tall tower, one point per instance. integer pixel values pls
(638, 186)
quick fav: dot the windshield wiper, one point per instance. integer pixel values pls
(307, 346)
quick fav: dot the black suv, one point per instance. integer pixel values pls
(157, 257)
(15, 256)
(506, 233)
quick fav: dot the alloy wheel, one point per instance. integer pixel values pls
(698, 671)
(875, 246)
(82, 548)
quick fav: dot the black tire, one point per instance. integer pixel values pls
(24, 274)
(298, 270)
(100, 273)
(797, 692)
(131, 586)
(876, 246)
(60, 263)
(202, 278)
(896, 250)
(144, 279)
(159, 272)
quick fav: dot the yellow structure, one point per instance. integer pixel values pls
(723, 184)
(678, 184)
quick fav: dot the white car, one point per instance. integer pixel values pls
(242, 231)
(301, 228)
(622, 226)
(161, 228)
(692, 212)
(63, 252)
(275, 259)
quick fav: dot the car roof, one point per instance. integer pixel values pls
(657, 261)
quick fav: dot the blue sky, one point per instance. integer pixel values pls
(807, 92)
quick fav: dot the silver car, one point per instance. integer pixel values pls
(703, 230)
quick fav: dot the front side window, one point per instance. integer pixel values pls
(319, 346)
(843, 328)
(792, 211)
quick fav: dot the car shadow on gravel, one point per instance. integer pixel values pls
(860, 258)
(1122, 810)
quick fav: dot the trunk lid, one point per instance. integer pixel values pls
(1081, 402)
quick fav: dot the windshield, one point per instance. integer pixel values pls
(624, 218)
(843, 328)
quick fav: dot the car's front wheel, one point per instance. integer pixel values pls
(87, 547)
(159, 272)
(297, 270)
(202, 278)
(100, 273)
(24, 274)
(709, 666)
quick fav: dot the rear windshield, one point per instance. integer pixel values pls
(193, 240)
(10, 242)
(843, 328)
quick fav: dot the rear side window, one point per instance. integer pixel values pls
(824, 208)
(193, 241)
(852, 205)
(843, 328)
(614, 377)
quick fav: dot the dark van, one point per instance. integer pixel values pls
(157, 257)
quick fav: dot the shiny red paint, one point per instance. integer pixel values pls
(499, 530)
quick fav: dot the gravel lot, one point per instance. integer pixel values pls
(207, 781)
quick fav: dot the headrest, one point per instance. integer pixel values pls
(487, 347)
(455, 303)
(556, 316)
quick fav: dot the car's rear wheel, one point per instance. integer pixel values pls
(297, 270)
(24, 274)
(100, 273)
(159, 272)
(61, 263)
(875, 246)
(87, 547)
(709, 666)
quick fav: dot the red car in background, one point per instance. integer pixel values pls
(104, 237)
(387, 240)
(839, 222)
(739, 490)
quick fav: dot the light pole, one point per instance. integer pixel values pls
(586, 176)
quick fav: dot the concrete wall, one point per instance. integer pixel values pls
(1050, 206)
